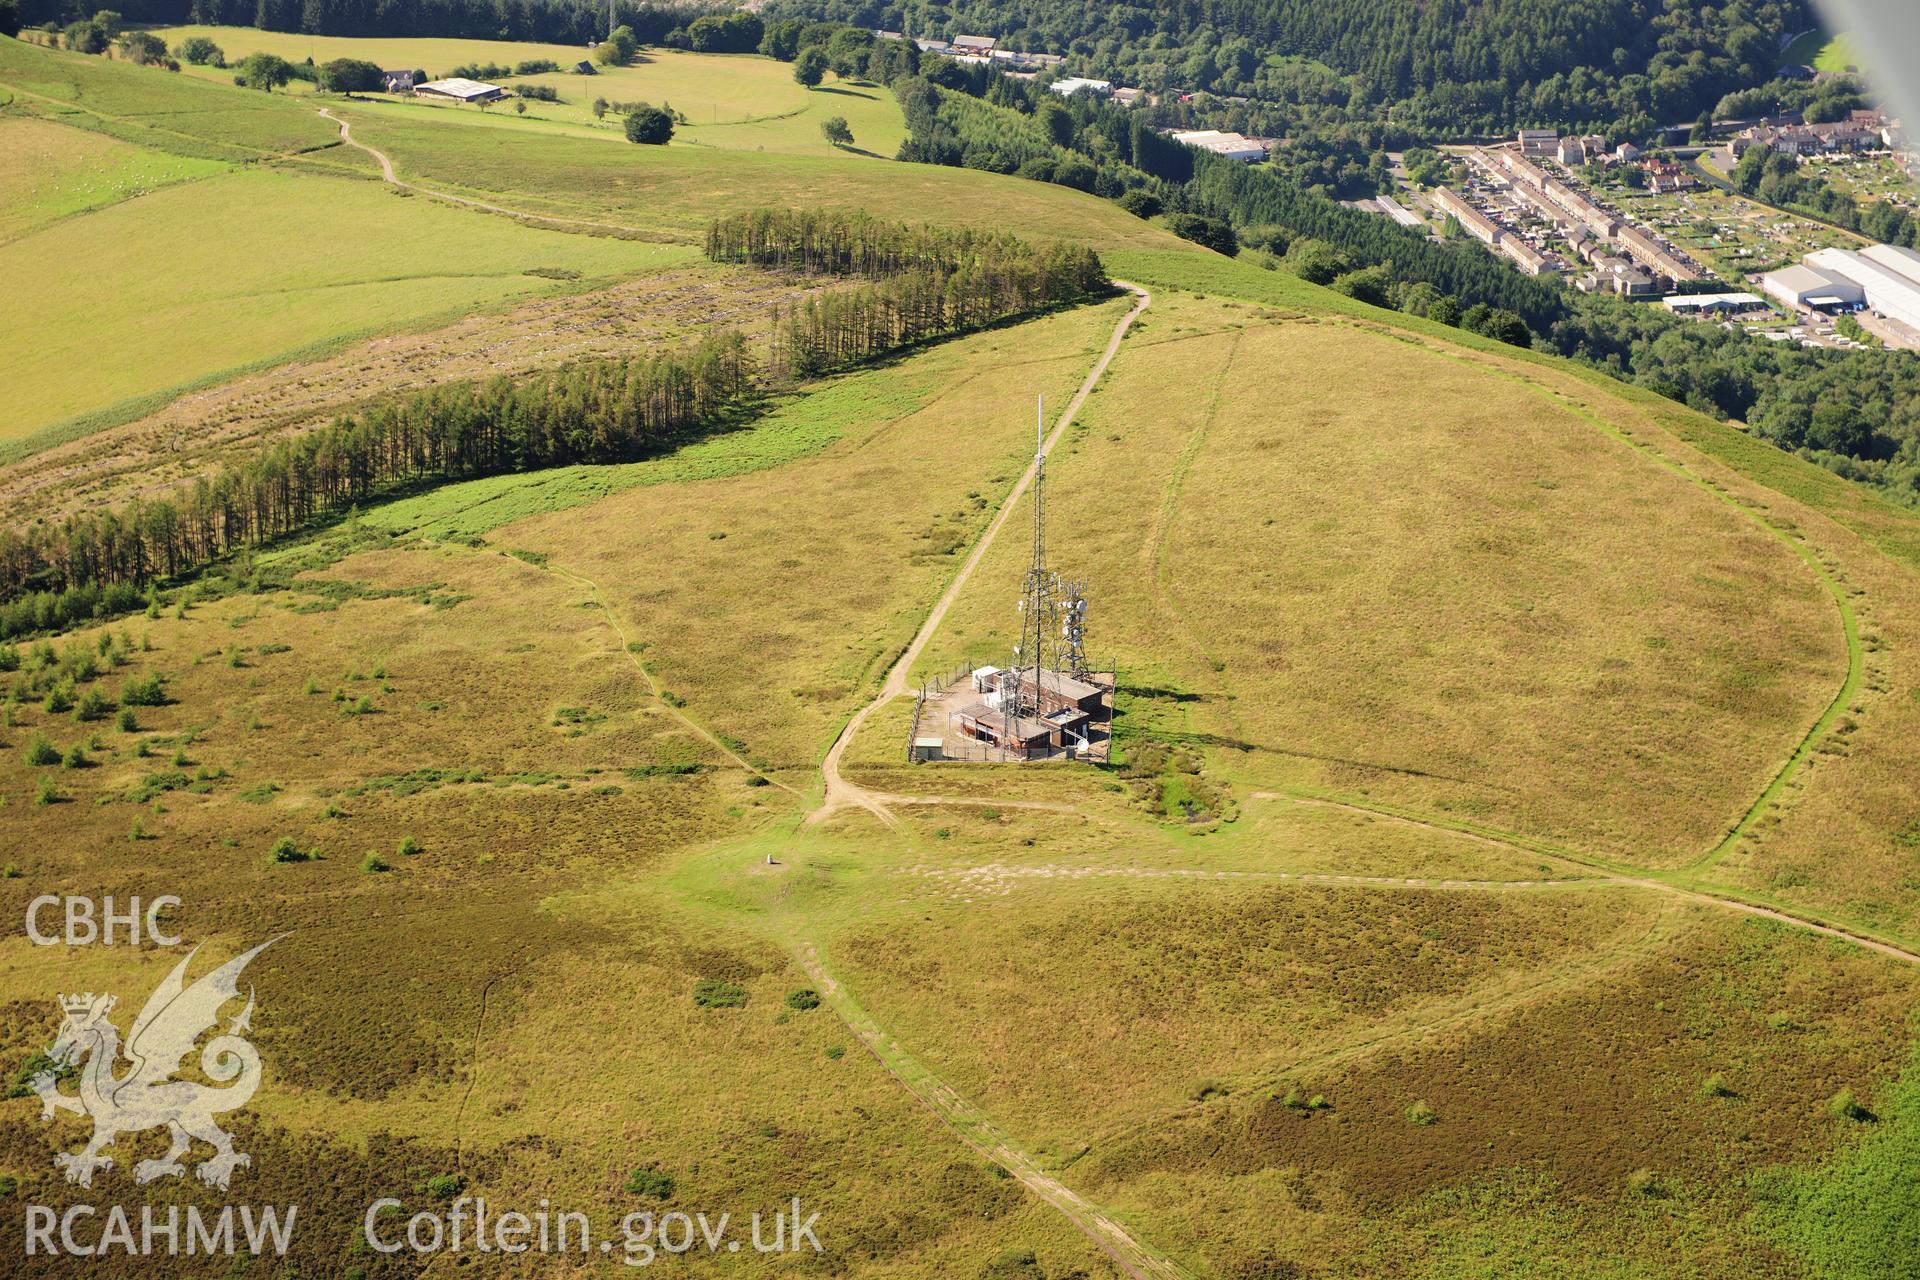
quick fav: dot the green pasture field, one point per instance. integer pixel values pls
(1821, 51)
(154, 108)
(49, 172)
(733, 101)
(677, 190)
(141, 297)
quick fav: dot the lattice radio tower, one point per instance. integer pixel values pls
(1040, 625)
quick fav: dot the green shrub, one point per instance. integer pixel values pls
(711, 993)
(835, 1052)
(42, 752)
(444, 1186)
(803, 999)
(649, 1180)
(1844, 1106)
(408, 846)
(44, 792)
(1422, 1114)
(59, 699)
(1716, 1086)
(93, 705)
(128, 722)
(143, 691)
(285, 850)
(76, 757)
(373, 863)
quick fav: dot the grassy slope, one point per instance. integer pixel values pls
(478, 662)
(49, 172)
(1820, 51)
(147, 281)
(734, 102)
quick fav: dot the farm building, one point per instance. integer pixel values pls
(977, 46)
(1075, 84)
(397, 81)
(1539, 142)
(459, 89)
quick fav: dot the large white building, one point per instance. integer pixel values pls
(1889, 276)
(1233, 146)
(1808, 287)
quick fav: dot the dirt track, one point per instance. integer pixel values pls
(841, 793)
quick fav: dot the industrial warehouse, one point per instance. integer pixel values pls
(1882, 278)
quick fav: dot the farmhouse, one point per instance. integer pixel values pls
(1571, 151)
(1234, 146)
(459, 89)
(397, 81)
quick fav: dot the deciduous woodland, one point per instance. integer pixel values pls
(925, 284)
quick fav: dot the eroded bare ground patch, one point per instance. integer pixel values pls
(191, 436)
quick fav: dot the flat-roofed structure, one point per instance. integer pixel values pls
(1690, 303)
(1071, 85)
(459, 89)
(1398, 212)
(1891, 292)
(1808, 287)
(1234, 146)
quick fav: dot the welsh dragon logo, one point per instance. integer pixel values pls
(147, 1096)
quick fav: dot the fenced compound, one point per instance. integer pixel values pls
(928, 725)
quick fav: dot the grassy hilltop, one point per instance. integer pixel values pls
(1512, 859)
